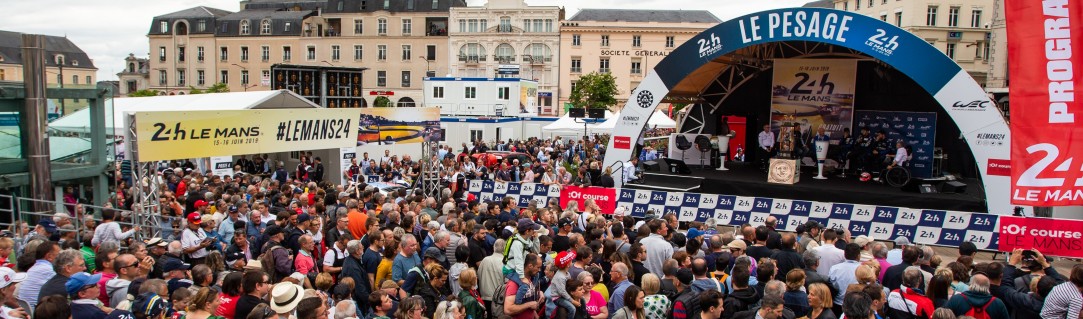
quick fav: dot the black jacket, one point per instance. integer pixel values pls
(751, 314)
(688, 301)
(1021, 305)
(738, 301)
(55, 286)
(786, 260)
(893, 276)
(811, 277)
(351, 268)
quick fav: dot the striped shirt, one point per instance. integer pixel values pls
(1064, 301)
(36, 277)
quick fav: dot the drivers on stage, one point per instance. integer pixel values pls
(900, 155)
(630, 170)
(846, 146)
(767, 146)
(878, 152)
(862, 149)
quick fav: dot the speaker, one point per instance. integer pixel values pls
(651, 166)
(953, 187)
(917, 185)
(596, 113)
(576, 112)
(675, 166)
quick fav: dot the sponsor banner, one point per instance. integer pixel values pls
(1052, 237)
(917, 130)
(222, 166)
(632, 120)
(814, 93)
(605, 198)
(167, 135)
(345, 156)
(397, 125)
(528, 95)
(1045, 79)
(999, 167)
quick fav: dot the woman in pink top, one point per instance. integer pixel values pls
(596, 304)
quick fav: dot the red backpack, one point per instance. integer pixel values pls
(979, 313)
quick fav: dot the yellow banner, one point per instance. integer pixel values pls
(194, 134)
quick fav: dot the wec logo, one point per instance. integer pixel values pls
(981, 104)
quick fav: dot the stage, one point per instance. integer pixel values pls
(744, 179)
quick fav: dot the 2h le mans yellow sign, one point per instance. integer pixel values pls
(194, 134)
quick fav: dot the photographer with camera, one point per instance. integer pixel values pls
(1021, 303)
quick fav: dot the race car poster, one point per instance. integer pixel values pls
(813, 93)
(398, 125)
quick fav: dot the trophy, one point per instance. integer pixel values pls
(821, 155)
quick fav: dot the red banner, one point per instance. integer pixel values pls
(1055, 237)
(606, 198)
(1047, 134)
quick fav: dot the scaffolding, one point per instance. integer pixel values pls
(146, 186)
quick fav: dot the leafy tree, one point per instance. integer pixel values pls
(142, 93)
(216, 88)
(595, 90)
(382, 101)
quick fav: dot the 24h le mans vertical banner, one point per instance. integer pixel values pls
(815, 93)
(1047, 133)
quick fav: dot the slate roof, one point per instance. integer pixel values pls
(637, 15)
(351, 6)
(196, 12)
(193, 16)
(820, 4)
(230, 25)
(11, 51)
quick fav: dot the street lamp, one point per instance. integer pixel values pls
(426, 65)
(244, 85)
(328, 63)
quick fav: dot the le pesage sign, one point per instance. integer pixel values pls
(194, 134)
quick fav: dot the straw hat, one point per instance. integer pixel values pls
(285, 297)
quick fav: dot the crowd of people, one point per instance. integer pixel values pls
(252, 247)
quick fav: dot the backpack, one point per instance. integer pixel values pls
(267, 262)
(507, 248)
(498, 302)
(979, 313)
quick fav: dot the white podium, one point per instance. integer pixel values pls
(821, 155)
(723, 151)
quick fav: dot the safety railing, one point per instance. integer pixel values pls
(20, 215)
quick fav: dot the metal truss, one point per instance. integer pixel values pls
(146, 212)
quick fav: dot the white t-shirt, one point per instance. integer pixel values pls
(901, 156)
(191, 239)
(331, 255)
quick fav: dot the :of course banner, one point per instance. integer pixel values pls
(815, 92)
(191, 134)
(1047, 120)
(1056, 237)
(605, 198)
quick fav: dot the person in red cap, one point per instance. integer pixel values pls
(194, 241)
(558, 292)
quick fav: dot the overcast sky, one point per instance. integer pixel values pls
(109, 30)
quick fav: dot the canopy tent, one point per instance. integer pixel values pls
(658, 119)
(567, 124)
(79, 121)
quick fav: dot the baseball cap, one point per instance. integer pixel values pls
(272, 230)
(902, 241)
(304, 218)
(434, 253)
(565, 258)
(200, 203)
(564, 222)
(527, 224)
(343, 194)
(80, 280)
(694, 232)
(149, 304)
(232, 209)
(737, 244)
(684, 275)
(48, 224)
(9, 276)
(194, 218)
(172, 264)
(813, 224)
(862, 240)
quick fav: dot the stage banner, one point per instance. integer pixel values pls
(168, 135)
(222, 166)
(1045, 92)
(814, 93)
(1052, 237)
(521, 193)
(916, 129)
(345, 156)
(397, 125)
(605, 198)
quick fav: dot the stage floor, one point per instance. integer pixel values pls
(743, 179)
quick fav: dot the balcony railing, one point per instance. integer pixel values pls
(637, 71)
(504, 58)
(577, 70)
(471, 58)
(603, 70)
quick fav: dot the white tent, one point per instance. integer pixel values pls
(569, 125)
(658, 119)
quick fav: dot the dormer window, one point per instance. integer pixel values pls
(75, 62)
(59, 59)
(163, 27)
(244, 27)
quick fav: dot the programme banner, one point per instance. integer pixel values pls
(1046, 120)
(815, 93)
(1052, 237)
(398, 125)
(170, 135)
(916, 129)
(345, 155)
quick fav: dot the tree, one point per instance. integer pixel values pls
(595, 90)
(382, 101)
(216, 88)
(142, 93)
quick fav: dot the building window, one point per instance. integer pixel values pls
(180, 77)
(857, 5)
(577, 65)
(201, 77)
(224, 54)
(548, 25)
(161, 54)
(883, 17)
(577, 40)
(180, 55)
(335, 54)
(244, 54)
(430, 52)
(409, 4)
(381, 52)
(603, 65)
(505, 53)
(462, 25)
(503, 93)
(505, 24)
(484, 24)
(265, 53)
(538, 25)
(224, 77)
(1, 75)
(75, 79)
(406, 51)
(930, 16)
(473, 23)
(199, 54)
(405, 79)
(977, 50)
(163, 27)
(381, 78)
(244, 27)
(953, 16)
(435, 4)
(407, 25)
(975, 18)
(381, 26)
(265, 26)
(201, 25)
(573, 86)
(162, 77)
(437, 92)
(605, 40)
(845, 6)
(286, 53)
(358, 52)
(985, 51)
(670, 41)
(387, 4)
(287, 27)
(637, 41)
(244, 77)
(470, 92)
(951, 51)
(870, 3)
(88, 81)
(311, 55)
(898, 19)
(637, 67)
(358, 27)
(526, 25)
